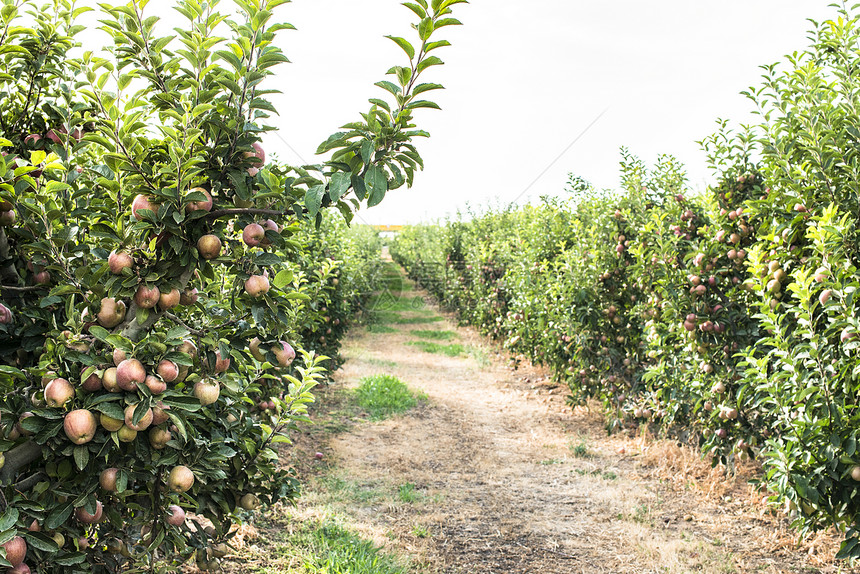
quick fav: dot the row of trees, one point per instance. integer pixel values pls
(726, 318)
(168, 294)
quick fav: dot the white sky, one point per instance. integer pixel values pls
(524, 79)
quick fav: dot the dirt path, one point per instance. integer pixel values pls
(510, 481)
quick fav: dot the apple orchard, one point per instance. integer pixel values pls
(726, 319)
(168, 295)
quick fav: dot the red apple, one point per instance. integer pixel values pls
(7, 218)
(92, 383)
(189, 296)
(269, 225)
(207, 391)
(159, 413)
(59, 392)
(170, 299)
(209, 246)
(256, 285)
(167, 370)
(107, 479)
(118, 356)
(16, 550)
(119, 261)
(5, 315)
(146, 297)
(111, 313)
(284, 353)
(142, 424)
(221, 365)
(155, 385)
(80, 426)
(253, 234)
(176, 516)
(140, 203)
(129, 374)
(86, 518)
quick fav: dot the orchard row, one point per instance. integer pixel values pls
(169, 295)
(726, 318)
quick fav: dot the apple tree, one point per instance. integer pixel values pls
(156, 296)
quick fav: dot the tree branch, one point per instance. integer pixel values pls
(18, 458)
(242, 211)
(22, 289)
(29, 482)
(8, 273)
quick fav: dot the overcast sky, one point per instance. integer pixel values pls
(524, 79)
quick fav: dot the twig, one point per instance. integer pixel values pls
(182, 323)
(22, 289)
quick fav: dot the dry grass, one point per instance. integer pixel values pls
(503, 488)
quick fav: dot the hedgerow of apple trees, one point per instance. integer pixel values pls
(158, 277)
(727, 319)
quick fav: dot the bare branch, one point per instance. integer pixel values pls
(17, 459)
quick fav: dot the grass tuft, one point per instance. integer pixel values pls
(330, 548)
(435, 335)
(384, 395)
(407, 493)
(453, 350)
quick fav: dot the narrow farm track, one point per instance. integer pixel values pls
(512, 482)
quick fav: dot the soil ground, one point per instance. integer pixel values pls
(494, 474)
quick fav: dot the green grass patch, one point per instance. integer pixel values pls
(580, 450)
(385, 395)
(389, 302)
(330, 548)
(452, 350)
(345, 490)
(434, 335)
(407, 493)
(380, 328)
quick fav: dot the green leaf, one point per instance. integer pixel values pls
(418, 10)
(82, 456)
(406, 46)
(42, 541)
(121, 481)
(389, 87)
(313, 199)
(421, 88)
(339, 185)
(376, 181)
(9, 518)
(12, 371)
(99, 333)
(283, 278)
(58, 516)
(423, 104)
(426, 63)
